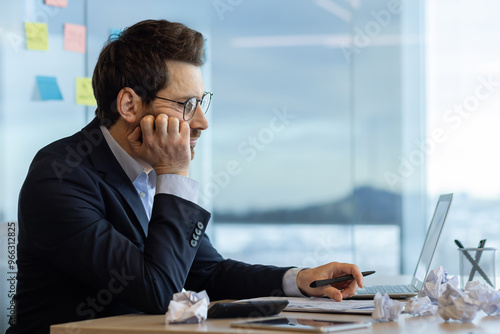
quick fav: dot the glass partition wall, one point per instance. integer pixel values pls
(314, 150)
(316, 115)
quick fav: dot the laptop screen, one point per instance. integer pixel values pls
(431, 240)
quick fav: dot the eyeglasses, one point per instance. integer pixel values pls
(191, 104)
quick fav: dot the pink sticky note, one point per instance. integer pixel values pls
(57, 3)
(74, 37)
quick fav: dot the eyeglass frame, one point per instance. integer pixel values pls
(185, 102)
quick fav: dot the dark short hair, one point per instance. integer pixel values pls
(137, 59)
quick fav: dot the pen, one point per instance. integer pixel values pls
(477, 258)
(474, 263)
(324, 282)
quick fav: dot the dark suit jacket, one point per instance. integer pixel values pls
(87, 250)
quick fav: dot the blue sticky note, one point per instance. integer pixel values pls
(114, 33)
(48, 88)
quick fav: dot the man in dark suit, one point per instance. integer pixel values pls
(108, 217)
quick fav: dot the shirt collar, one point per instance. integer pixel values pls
(131, 166)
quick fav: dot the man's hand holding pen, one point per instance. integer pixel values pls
(336, 291)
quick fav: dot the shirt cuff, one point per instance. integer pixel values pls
(178, 185)
(290, 287)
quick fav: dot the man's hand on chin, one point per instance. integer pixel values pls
(164, 143)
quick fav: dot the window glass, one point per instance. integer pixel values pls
(463, 102)
(307, 126)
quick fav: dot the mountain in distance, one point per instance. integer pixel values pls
(365, 205)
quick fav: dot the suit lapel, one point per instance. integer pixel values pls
(113, 174)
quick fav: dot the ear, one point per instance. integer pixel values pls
(128, 104)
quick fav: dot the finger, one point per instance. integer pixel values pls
(342, 285)
(173, 125)
(332, 293)
(161, 124)
(353, 270)
(357, 275)
(350, 290)
(147, 125)
(185, 129)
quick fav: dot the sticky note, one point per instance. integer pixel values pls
(57, 3)
(37, 36)
(84, 92)
(48, 88)
(114, 33)
(74, 37)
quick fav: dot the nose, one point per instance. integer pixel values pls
(199, 121)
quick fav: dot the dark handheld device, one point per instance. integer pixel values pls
(247, 309)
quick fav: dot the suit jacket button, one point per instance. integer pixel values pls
(200, 225)
(198, 232)
(196, 237)
(194, 243)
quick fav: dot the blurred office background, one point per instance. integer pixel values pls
(335, 124)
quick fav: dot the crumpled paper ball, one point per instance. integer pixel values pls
(421, 306)
(188, 307)
(386, 309)
(442, 292)
(489, 299)
(457, 305)
(436, 282)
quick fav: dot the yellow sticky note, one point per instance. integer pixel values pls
(84, 92)
(37, 36)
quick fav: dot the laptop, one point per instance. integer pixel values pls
(424, 261)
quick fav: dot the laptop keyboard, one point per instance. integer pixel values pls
(371, 290)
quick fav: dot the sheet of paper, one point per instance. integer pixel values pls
(74, 37)
(323, 305)
(37, 36)
(57, 3)
(48, 88)
(84, 92)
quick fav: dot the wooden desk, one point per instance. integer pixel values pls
(146, 324)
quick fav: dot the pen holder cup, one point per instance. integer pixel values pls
(477, 264)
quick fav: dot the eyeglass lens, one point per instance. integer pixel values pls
(191, 104)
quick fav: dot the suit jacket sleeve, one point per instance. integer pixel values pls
(82, 230)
